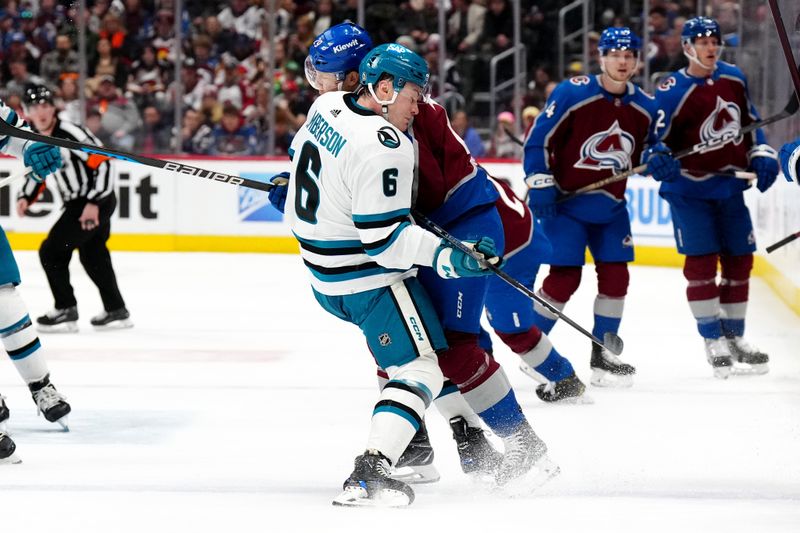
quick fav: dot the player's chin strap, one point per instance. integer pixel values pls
(692, 57)
(384, 103)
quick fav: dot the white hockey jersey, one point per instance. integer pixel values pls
(349, 199)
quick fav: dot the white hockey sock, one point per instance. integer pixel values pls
(19, 336)
(452, 404)
(402, 403)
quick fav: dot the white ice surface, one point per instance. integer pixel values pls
(237, 404)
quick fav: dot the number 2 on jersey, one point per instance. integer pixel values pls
(306, 190)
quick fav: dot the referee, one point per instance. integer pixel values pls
(86, 184)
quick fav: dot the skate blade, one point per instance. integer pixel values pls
(117, 324)
(64, 423)
(358, 497)
(418, 474)
(64, 327)
(601, 378)
(583, 399)
(543, 471)
(723, 372)
(13, 459)
(4, 428)
(743, 369)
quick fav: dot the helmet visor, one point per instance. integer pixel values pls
(322, 81)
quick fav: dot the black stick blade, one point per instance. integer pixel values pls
(613, 343)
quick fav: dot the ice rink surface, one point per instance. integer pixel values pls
(237, 404)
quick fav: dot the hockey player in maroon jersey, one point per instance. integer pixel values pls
(453, 192)
(592, 128)
(705, 101)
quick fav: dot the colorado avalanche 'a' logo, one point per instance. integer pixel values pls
(607, 149)
(724, 121)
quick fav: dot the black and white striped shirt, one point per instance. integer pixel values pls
(82, 175)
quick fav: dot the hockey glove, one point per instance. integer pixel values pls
(277, 194)
(542, 195)
(43, 159)
(764, 162)
(450, 262)
(660, 163)
(790, 161)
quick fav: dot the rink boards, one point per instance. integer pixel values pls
(165, 211)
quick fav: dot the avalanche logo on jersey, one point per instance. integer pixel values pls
(607, 149)
(723, 122)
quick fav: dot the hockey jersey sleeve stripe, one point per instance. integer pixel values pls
(375, 248)
(398, 409)
(330, 247)
(380, 220)
(348, 272)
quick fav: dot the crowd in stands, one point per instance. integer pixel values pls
(131, 90)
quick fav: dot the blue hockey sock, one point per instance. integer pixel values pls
(733, 327)
(556, 367)
(504, 417)
(709, 327)
(602, 324)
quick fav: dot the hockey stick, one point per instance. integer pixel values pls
(789, 110)
(612, 342)
(14, 177)
(786, 240)
(180, 168)
(795, 76)
(785, 45)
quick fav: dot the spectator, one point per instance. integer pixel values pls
(120, 116)
(465, 25)
(20, 78)
(529, 115)
(469, 134)
(502, 146)
(122, 46)
(231, 137)
(154, 136)
(498, 27)
(58, 61)
(17, 49)
(324, 16)
(192, 84)
(195, 134)
(68, 101)
(106, 64)
(146, 80)
(242, 18)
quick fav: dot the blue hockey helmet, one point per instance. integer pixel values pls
(397, 61)
(338, 50)
(618, 39)
(700, 27)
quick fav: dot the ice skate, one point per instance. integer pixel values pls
(59, 321)
(477, 455)
(567, 390)
(416, 463)
(525, 466)
(117, 319)
(7, 449)
(51, 403)
(608, 370)
(747, 359)
(4, 414)
(718, 354)
(370, 485)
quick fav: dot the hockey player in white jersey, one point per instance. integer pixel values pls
(348, 205)
(16, 331)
